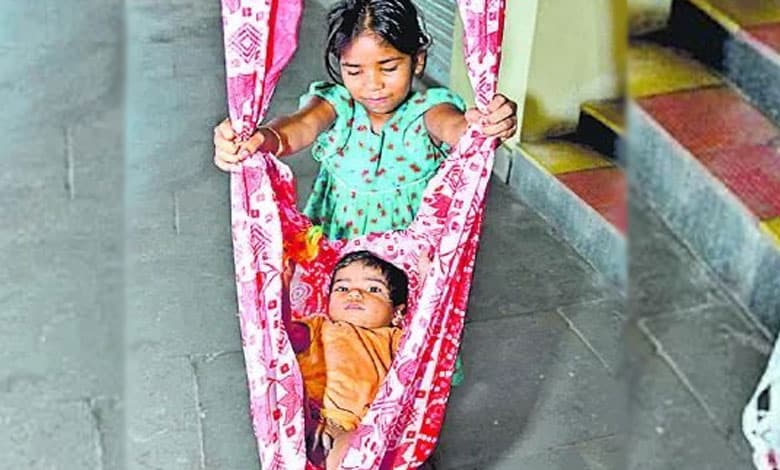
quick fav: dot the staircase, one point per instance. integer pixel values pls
(577, 184)
(704, 145)
(740, 39)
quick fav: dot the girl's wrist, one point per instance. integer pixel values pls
(272, 141)
(462, 127)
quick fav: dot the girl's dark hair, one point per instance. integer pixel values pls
(396, 279)
(395, 21)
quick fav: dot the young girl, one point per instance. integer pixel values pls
(378, 142)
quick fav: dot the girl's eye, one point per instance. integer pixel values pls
(392, 69)
(352, 73)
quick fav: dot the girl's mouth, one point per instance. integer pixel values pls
(375, 101)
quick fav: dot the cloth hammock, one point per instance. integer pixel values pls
(761, 416)
(401, 426)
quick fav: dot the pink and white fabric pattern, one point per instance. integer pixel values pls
(402, 425)
(761, 416)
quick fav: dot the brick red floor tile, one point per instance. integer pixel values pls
(768, 34)
(617, 215)
(710, 119)
(603, 189)
(752, 173)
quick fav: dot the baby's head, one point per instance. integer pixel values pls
(367, 291)
(376, 47)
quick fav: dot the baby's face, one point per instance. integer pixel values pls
(361, 296)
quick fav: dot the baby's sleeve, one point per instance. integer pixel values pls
(304, 332)
(329, 141)
(311, 360)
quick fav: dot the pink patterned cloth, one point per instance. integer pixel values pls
(400, 429)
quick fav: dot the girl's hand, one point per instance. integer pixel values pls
(225, 148)
(227, 151)
(500, 120)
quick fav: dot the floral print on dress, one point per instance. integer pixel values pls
(371, 182)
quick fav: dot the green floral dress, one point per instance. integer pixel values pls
(371, 182)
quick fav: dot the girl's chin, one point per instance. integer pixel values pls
(380, 107)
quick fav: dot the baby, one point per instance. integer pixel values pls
(344, 358)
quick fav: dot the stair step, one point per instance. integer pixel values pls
(610, 113)
(734, 15)
(767, 36)
(739, 38)
(709, 163)
(580, 192)
(603, 189)
(656, 69)
(772, 228)
(588, 174)
(733, 140)
(601, 123)
(591, 176)
(560, 156)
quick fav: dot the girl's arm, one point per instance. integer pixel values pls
(297, 131)
(445, 123)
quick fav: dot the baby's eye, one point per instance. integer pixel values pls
(375, 289)
(340, 289)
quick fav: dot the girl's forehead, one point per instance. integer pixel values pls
(369, 47)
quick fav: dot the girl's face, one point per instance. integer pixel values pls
(377, 75)
(361, 296)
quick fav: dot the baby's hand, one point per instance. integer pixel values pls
(227, 151)
(500, 120)
(322, 439)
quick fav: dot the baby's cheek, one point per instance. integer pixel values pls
(332, 303)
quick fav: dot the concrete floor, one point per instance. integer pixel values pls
(120, 344)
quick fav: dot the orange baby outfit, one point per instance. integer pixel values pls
(344, 365)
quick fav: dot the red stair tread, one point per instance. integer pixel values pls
(603, 189)
(709, 119)
(752, 173)
(767, 34)
(732, 139)
(617, 215)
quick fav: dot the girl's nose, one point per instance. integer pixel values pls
(375, 81)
